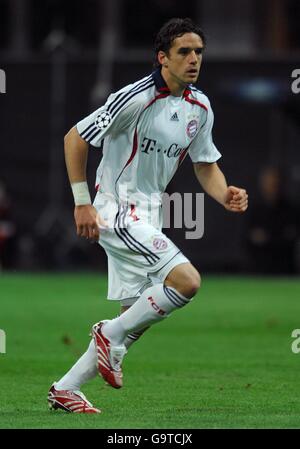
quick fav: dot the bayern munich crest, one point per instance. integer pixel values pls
(191, 128)
(103, 120)
(159, 243)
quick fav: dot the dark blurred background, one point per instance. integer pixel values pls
(62, 59)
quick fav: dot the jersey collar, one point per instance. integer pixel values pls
(159, 82)
(161, 85)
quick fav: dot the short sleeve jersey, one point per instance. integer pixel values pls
(146, 134)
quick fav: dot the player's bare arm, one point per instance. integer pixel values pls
(86, 217)
(212, 179)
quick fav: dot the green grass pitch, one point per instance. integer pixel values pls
(224, 361)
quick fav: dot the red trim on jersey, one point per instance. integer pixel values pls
(192, 101)
(135, 139)
(97, 187)
(166, 89)
(182, 156)
(134, 149)
(186, 92)
(158, 97)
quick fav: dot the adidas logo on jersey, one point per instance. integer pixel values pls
(174, 118)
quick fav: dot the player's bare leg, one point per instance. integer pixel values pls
(155, 303)
(185, 279)
(179, 278)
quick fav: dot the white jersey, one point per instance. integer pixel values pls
(147, 133)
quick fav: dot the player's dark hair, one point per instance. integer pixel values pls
(172, 29)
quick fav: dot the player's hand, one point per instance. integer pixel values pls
(236, 199)
(88, 222)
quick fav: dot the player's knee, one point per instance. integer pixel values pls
(191, 285)
(187, 283)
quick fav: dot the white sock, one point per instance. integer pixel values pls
(154, 304)
(133, 337)
(83, 370)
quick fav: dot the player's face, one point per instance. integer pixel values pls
(183, 60)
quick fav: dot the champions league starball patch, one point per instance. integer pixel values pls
(103, 120)
(191, 128)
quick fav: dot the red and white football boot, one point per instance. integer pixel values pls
(70, 401)
(109, 357)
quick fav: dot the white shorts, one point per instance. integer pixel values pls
(139, 255)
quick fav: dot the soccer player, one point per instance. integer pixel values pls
(147, 128)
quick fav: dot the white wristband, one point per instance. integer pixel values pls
(81, 193)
